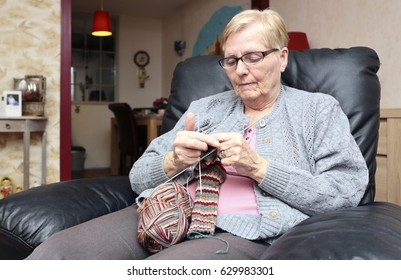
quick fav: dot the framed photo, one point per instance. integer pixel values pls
(32, 87)
(13, 103)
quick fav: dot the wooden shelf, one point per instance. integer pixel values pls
(388, 173)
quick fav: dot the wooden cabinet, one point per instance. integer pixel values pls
(388, 173)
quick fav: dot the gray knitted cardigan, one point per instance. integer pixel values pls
(314, 163)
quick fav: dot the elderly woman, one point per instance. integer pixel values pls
(288, 154)
(283, 155)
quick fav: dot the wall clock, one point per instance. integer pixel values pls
(141, 58)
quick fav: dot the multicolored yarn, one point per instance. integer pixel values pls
(168, 215)
(204, 212)
(164, 217)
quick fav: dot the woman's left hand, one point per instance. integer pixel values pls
(235, 151)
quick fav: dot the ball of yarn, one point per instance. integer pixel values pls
(164, 217)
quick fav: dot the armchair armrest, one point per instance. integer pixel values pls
(30, 217)
(371, 231)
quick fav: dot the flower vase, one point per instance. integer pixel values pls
(161, 112)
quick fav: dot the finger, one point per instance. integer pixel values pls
(210, 141)
(187, 154)
(226, 136)
(190, 122)
(228, 140)
(200, 142)
(190, 125)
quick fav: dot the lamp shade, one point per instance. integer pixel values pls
(298, 41)
(101, 24)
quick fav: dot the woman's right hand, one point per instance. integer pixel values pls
(188, 147)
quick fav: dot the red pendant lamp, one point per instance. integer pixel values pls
(298, 41)
(101, 23)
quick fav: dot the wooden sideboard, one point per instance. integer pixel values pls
(388, 173)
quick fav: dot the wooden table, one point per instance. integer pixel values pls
(26, 125)
(152, 124)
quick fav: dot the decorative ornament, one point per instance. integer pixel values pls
(6, 187)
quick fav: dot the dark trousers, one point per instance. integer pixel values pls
(114, 236)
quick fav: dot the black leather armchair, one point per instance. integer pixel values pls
(370, 231)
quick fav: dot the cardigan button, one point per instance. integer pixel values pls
(264, 193)
(262, 123)
(273, 215)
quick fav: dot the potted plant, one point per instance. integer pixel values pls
(160, 105)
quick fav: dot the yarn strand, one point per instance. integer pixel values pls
(220, 251)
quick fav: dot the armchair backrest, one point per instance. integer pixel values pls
(349, 75)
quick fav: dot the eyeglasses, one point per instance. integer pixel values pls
(251, 58)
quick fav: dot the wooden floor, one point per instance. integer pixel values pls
(91, 173)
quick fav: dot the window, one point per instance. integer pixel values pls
(93, 70)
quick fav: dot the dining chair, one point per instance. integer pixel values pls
(128, 136)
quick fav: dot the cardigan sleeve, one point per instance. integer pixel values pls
(338, 174)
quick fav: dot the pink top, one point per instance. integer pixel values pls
(236, 195)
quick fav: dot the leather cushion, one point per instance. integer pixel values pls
(30, 217)
(370, 231)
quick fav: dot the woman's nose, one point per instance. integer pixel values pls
(241, 68)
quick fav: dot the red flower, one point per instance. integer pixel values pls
(160, 103)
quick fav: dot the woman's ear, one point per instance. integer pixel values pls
(283, 58)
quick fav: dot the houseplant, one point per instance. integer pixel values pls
(160, 105)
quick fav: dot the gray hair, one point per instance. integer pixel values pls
(274, 29)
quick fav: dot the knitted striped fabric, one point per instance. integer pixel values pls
(204, 212)
(164, 217)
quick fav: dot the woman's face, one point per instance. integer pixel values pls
(258, 85)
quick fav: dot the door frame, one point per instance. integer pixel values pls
(65, 91)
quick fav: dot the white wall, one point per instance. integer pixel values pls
(91, 130)
(348, 23)
(139, 34)
(185, 24)
(91, 126)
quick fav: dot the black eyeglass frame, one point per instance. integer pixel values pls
(264, 54)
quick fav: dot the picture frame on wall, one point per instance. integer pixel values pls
(13, 103)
